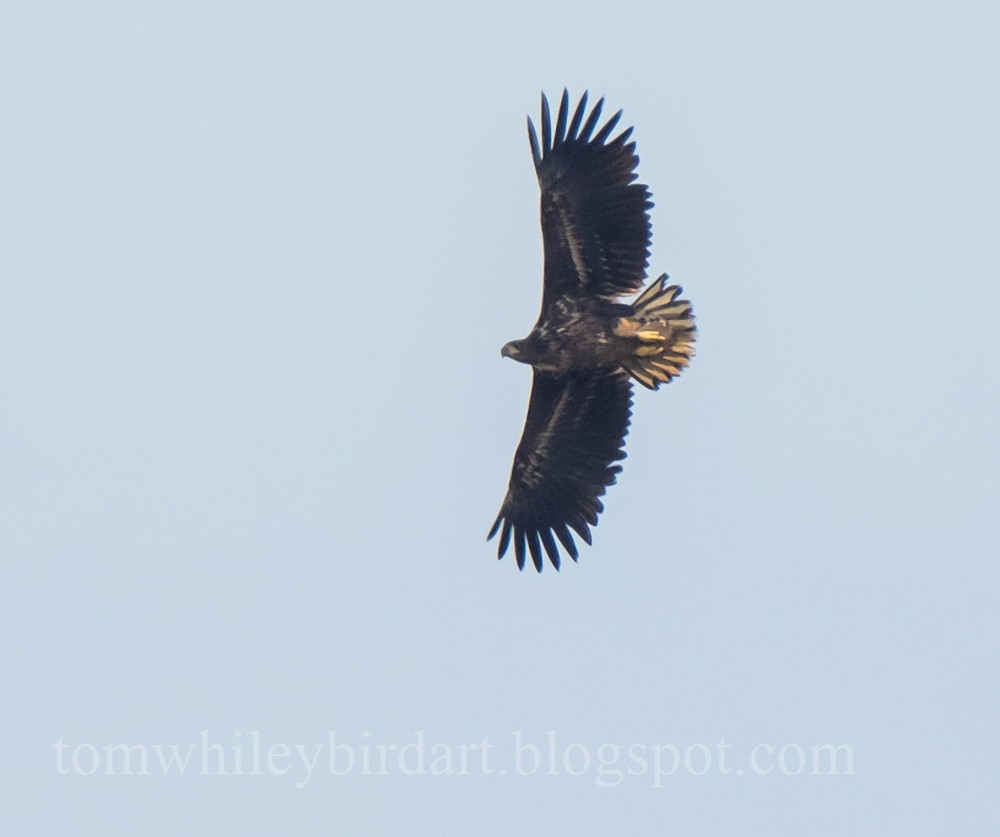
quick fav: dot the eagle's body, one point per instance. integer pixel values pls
(587, 343)
(575, 335)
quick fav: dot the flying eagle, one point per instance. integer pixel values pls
(587, 344)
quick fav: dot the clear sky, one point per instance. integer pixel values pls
(257, 261)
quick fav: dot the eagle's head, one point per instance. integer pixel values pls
(530, 350)
(514, 350)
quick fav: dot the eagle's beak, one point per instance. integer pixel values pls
(510, 350)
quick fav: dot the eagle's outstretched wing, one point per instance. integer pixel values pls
(574, 432)
(595, 220)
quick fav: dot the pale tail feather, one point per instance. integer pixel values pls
(664, 326)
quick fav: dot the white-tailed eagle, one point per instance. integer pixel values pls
(588, 344)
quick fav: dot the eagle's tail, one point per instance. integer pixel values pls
(663, 327)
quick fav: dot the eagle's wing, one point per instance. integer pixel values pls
(595, 223)
(575, 430)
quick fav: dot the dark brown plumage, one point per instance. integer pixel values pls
(587, 344)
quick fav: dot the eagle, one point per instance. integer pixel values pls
(588, 344)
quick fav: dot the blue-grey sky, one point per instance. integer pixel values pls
(256, 264)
